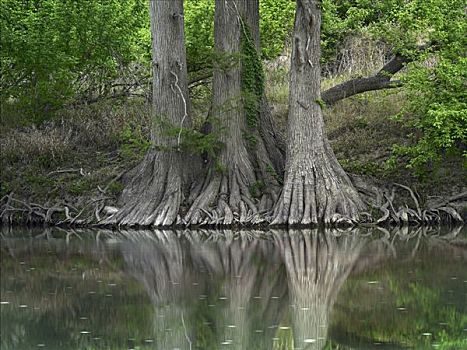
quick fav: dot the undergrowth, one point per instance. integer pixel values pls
(69, 157)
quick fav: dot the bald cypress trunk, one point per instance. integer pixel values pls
(154, 194)
(272, 140)
(316, 188)
(238, 187)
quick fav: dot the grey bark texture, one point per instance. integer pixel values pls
(154, 194)
(316, 188)
(271, 138)
(225, 197)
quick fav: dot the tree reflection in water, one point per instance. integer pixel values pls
(158, 260)
(216, 289)
(236, 274)
(317, 266)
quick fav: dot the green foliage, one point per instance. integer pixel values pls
(133, 144)
(37, 183)
(434, 83)
(115, 188)
(198, 143)
(257, 188)
(199, 33)
(271, 171)
(321, 103)
(436, 90)
(276, 24)
(252, 78)
(54, 50)
(81, 186)
(191, 140)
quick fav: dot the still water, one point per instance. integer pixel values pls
(300, 289)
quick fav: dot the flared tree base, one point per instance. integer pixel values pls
(226, 199)
(317, 191)
(154, 194)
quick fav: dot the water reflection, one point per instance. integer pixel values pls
(197, 289)
(317, 266)
(160, 264)
(210, 290)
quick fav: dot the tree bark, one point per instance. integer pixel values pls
(271, 138)
(154, 194)
(226, 196)
(316, 188)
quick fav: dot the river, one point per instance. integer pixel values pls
(365, 288)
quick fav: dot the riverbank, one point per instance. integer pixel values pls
(79, 159)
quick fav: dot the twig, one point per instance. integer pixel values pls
(186, 333)
(63, 171)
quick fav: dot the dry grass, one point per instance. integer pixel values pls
(24, 146)
(358, 55)
(361, 128)
(102, 139)
(95, 128)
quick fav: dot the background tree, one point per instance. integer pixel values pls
(316, 188)
(154, 195)
(56, 53)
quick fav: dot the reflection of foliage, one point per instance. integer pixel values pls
(60, 283)
(408, 310)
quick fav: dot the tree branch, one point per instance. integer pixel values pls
(379, 81)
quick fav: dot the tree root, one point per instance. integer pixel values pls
(313, 195)
(16, 211)
(154, 195)
(384, 200)
(225, 199)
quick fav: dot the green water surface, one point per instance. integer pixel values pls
(194, 289)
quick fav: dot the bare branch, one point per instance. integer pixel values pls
(379, 81)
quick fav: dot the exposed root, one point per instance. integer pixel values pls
(316, 194)
(154, 195)
(15, 211)
(442, 211)
(225, 199)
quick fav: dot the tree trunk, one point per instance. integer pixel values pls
(233, 188)
(154, 194)
(271, 138)
(316, 188)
